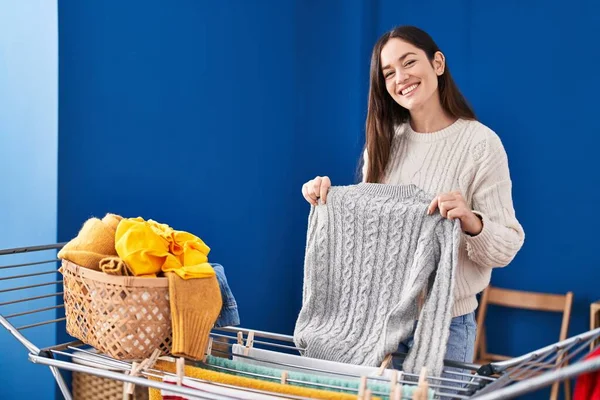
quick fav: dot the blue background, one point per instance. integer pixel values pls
(209, 116)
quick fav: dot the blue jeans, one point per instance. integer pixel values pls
(229, 315)
(460, 347)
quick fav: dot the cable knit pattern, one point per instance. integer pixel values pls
(469, 157)
(348, 260)
(383, 258)
(361, 291)
(371, 241)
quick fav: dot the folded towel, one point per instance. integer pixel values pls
(195, 305)
(114, 266)
(94, 242)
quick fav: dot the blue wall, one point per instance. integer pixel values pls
(28, 172)
(209, 117)
(187, 116)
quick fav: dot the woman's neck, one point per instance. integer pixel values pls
(430, 117)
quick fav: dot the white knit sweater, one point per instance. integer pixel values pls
(469, 157)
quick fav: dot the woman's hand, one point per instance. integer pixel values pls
(315, 189)
(452, 205)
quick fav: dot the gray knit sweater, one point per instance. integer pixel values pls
(370, 252)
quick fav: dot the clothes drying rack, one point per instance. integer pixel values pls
(499, 380)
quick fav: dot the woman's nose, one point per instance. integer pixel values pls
(401, 77)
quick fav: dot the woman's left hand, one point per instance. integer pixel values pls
(452, 205)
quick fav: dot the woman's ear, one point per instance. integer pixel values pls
(439, 63)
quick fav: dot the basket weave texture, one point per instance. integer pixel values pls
(92, 387)
(121, 316)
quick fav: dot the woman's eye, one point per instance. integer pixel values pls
(409, 63)
(388, 74)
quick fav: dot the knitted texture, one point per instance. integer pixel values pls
(94, 242)
(195, 305)
(469, 157)
(371, 251)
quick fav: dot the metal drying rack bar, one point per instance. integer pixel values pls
(499, 380)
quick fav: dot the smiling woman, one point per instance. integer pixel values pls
(408, 64)
(420, 130)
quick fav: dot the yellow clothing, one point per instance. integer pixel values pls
(94, 242)
(195, 306)
(240, 381)
(148, 247)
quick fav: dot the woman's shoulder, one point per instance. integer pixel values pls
(483, 140)
(478, 131)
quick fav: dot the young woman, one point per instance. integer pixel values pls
(420, 130)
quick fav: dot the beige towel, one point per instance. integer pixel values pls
(94, 242)
(114, 266)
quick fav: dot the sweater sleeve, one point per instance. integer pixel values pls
(312, 288)
(502, 235)
(432, 330)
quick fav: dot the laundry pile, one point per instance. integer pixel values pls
(198, 293)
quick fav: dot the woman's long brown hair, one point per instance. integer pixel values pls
(384, 113)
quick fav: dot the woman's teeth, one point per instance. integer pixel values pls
(409, 89)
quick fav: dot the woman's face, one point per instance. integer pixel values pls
(410, 78)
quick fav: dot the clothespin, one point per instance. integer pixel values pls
(423, 385)
(240, 338)
(384, 364)
(208, 349)
(180, 370)
(149, 362)
(362, 388)
(393, 382)
(397, 395)
(417, 394)
(249, 342)
(129, 387)
(284, 377)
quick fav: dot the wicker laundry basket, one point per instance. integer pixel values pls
(92, 387)
(123, 317)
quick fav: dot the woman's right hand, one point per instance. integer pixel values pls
(315, 189)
